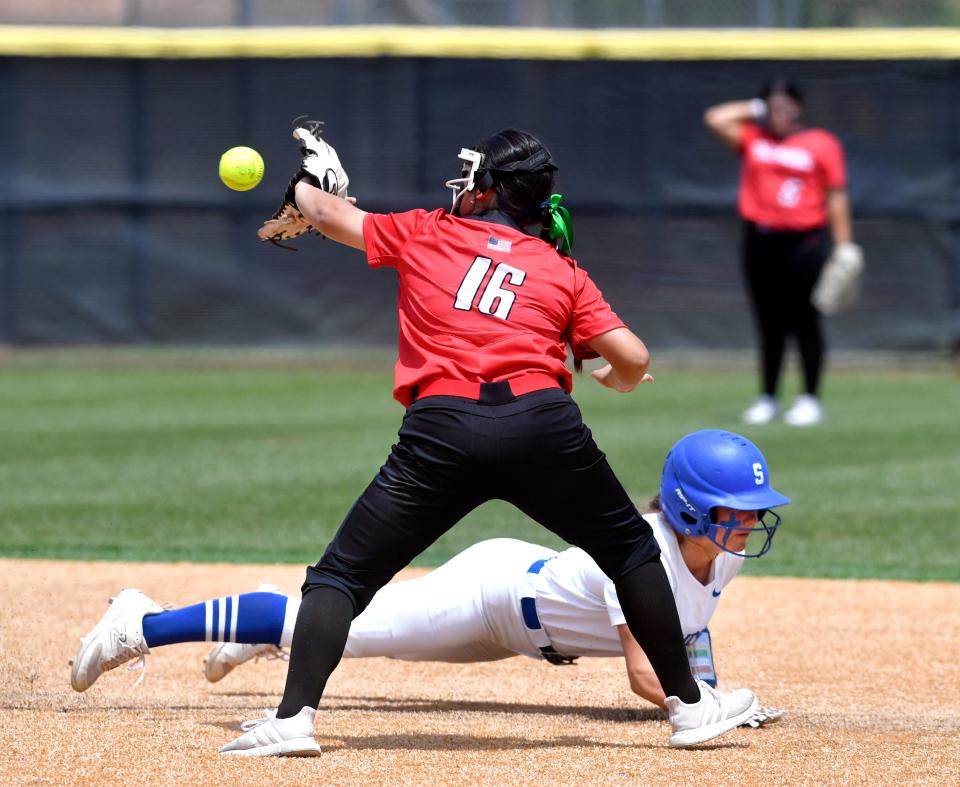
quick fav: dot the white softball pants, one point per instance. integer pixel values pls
(466, 610)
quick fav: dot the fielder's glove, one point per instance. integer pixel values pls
(320, 167)
(764, 716)
(838, 287)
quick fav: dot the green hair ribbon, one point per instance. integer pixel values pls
(557, 223)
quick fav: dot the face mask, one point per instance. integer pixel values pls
(461, 185)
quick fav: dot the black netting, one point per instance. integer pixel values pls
(114, 226)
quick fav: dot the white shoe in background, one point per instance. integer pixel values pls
(806, 410)
(227, 655)
(762, 411)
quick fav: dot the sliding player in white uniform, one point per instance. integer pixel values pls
(503, 597)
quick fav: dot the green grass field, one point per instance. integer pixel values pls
(191, 457)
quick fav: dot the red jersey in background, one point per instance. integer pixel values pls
(784, 182)
(482, 302)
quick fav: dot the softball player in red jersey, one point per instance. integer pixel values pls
(792, 188)
(486, 312)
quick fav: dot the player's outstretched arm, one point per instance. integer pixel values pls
(643, 680)
(333, 216)
(726, 120)
(627, 360)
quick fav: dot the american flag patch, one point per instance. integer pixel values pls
(499, 245)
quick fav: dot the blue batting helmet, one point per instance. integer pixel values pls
(712, 468)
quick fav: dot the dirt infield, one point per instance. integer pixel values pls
(868, 672)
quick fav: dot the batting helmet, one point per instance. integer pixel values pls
(713, 468)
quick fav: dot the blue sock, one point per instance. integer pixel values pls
(253, 618)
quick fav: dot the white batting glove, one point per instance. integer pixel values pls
(758, 109)
(320, 160)
(322, 168)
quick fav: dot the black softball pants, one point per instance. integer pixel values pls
(781, 270)
(452, 455)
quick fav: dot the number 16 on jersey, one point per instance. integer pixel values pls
(495, 300)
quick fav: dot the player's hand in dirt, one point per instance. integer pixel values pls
(764, 716)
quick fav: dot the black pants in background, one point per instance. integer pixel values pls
(781, 269)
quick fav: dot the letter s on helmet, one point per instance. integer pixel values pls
(713, 468)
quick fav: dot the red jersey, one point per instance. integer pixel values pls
(482, 302)
(784, 182)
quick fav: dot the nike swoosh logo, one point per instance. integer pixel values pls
(716, 593)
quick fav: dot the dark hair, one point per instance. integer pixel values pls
(781, 87)
(520, 193)
(654, 506)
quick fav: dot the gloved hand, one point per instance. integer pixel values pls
(320, 166)
(838, 287)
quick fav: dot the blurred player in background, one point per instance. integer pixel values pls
(486, 312)
(505, 597)
(794, 204)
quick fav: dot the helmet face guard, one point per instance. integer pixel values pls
(719, 533)
(467, 182)
(714, 469)
(476, 176)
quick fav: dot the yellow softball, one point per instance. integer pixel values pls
(241, 168)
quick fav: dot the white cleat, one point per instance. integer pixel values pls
(273, 737)
(761, 412)
(227, 655)
(115, 640)
(806, 410)
(714, 714)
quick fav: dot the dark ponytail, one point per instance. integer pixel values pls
(520, 170)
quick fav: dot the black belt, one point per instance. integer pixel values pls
(528, 608)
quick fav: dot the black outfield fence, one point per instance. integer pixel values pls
(115, 228)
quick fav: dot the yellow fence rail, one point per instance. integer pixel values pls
(480, 42)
